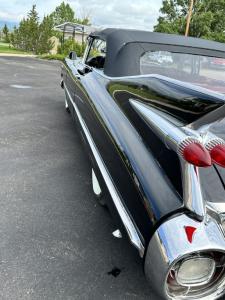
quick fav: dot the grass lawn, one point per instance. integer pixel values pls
(4, 48)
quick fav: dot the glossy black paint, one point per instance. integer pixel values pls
(133, 168)
(146, 174)
(185, 102)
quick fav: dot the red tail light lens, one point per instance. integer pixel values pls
(190, 232)
(195, 153)
(218, 155)
(216, 148)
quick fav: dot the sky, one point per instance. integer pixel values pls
(140, 14)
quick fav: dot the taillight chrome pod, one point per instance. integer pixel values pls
(216, 148)
(194, 152)
(195, 271)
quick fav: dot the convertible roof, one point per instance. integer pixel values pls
(125, 46)
(124, 36)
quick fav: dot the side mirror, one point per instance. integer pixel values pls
(72, 55)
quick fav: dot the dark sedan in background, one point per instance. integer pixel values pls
(150, 109)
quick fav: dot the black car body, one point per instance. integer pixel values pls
(150, 110)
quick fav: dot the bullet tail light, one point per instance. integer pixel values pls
(216, 148)
(192, 151)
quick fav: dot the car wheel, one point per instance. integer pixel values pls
(67, 106)
(97, 189)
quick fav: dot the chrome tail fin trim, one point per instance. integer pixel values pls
(172, 136)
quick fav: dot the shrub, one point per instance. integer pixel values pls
(71, 45)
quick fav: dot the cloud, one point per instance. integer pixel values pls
(136, 14)
(8, 16)
(15, 10)
(140, 14)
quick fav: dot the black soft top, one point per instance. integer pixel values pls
(125, 47)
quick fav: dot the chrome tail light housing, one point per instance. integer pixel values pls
(179, 267)
(196, 270)
(193, 152)
(202, 282)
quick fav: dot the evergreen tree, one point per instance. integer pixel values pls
(63, 13)
(32, 27)
(45, 32)
(22, 36)
(33, 36)
(6, 33)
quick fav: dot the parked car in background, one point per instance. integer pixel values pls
(159, 57)
(155, 134)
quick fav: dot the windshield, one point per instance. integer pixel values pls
(207, 72)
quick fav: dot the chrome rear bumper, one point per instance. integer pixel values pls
(170, 245)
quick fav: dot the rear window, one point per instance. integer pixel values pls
(207, 72)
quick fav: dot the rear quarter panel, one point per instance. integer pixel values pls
(143, 185)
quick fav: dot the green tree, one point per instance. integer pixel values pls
(45, 33)
(208, 18)
(5, 31)
(26, 36)
(33, 36)
(63, 13)
(32, 24)
(21, 36)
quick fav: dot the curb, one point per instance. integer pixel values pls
(18, 55)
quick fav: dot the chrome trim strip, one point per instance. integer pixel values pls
(192, 192)
(218, 207)
(158, 76)
(128, 223)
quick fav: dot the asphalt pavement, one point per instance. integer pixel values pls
(55, 240)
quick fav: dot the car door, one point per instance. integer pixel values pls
(96, 49)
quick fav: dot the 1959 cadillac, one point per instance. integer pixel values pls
(150, 108)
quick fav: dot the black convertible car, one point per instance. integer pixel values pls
(150, 108)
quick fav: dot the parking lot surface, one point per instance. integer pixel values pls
(55, 240)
